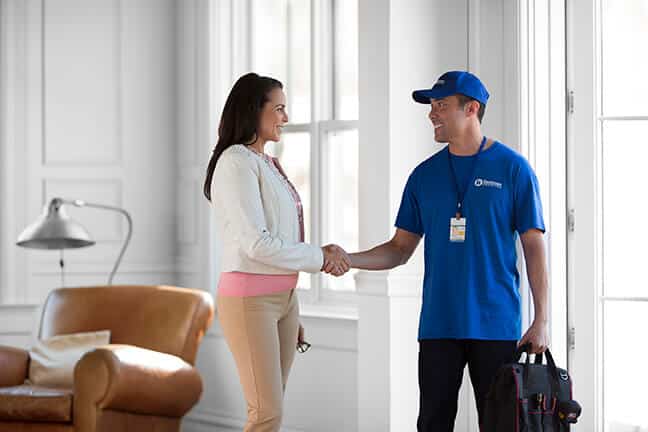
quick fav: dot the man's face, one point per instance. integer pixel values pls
(447, 117)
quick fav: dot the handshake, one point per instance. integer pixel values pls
(336, 261)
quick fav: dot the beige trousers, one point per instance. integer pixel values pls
(261, 332)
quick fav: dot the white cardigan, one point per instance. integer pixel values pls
(257, 217)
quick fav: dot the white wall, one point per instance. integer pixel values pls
(90, 113)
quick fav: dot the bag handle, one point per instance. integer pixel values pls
(522, 349)
(526, 348)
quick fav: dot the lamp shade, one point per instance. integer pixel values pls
(54, 230)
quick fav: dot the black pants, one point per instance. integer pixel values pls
(441, 366)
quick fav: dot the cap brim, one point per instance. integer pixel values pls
(424, 96)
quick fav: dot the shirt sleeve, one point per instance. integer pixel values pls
(238, 188)
(409, 214)
(527, 202)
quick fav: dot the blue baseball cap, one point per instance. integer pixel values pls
(454, 82)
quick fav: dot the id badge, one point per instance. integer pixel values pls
(458, 229)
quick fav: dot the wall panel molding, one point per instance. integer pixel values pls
(188, 212)
(19, 324)
(72, 68)
(18, 319)
(93, 117)
(50, 267)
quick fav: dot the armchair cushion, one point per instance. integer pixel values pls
(35, 404)
(13, 366)
(53, 360)
(137, 380)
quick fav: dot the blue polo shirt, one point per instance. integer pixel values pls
(471, 289)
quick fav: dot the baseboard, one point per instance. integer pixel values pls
(196, 422)
(203, 421)
(192, 425)
(18, 324)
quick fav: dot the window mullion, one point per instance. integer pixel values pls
(322, 72)
(332, 56)
(288, 50)
(297, 127)
(338, 125)
(318, 205)
(316, 234)
(321, 38)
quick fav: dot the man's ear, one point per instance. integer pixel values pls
(471, 107)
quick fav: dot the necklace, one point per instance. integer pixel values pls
(253, 150)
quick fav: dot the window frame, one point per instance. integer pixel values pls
(319, 299)
(543, 141)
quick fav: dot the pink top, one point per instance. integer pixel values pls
(240, 284)
(295, 195)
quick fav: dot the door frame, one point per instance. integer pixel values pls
(584, 239)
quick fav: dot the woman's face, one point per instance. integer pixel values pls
(273, 116)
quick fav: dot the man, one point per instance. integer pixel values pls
(470, 200)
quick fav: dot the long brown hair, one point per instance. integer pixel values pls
(240, 118)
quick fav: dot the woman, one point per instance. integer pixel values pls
(260, 219)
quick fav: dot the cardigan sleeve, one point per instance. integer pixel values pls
(238, 188)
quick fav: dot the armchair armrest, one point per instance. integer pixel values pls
(13, 366)
(137, 380)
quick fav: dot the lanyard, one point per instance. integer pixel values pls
(461, 192)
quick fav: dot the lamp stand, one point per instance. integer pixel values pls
(62, 265)
(79, 203)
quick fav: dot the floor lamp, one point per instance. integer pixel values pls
(54, 229)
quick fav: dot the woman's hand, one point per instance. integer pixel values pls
(302, 345)
(300, 334)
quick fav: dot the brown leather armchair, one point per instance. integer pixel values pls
(143, 381)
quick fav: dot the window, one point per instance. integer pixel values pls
(623, 123)
(609, 125)
(312, 47)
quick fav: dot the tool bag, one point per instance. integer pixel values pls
(530, 397)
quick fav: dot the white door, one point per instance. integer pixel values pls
(607, 71)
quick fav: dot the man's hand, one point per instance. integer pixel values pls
(538, 336)
(336, 260)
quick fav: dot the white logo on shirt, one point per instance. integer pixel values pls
(479, 182)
